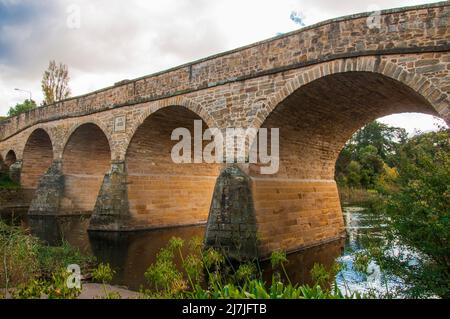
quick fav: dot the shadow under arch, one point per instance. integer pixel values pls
(37, 158)
(86, 159)
(10, 158)
(163, 193)
(8, 166)
(299, 205)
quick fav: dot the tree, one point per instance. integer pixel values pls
(21, 107)
(384, 137)
(354, 174)
(55, 83)
(371, 147)
(372, 165)
(416, 218)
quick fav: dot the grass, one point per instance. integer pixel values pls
(52, 258)
(7, 183)
(18, 254)
(356, 196)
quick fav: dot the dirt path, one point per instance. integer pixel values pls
(94, 291)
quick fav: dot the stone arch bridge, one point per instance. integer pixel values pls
(108, 152)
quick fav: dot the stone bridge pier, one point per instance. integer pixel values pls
(108, 153)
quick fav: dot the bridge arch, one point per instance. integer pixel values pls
(161, 192)
(181, 102)
(10, 158)
(437, 98)
(86, 158)
(37, 157)
(299, 205)
(68, 135)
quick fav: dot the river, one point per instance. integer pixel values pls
(131, 253)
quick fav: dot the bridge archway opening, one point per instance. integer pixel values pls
(160, 192)
(373, 138)
(6, 162)
(314, 123)
(86, 159)
(37, 158)
(10, 158)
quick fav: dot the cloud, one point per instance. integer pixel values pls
(114, 41)
(123, 40)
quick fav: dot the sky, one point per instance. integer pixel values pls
(106, 41)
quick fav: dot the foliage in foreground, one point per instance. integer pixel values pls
(7, 183)
(54, 287)
(38, 271)
(104, 274)
(34, 268)
(416, 219)
(208, 275)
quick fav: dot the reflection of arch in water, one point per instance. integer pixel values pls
(131, 253)
(46, 228)
(300, 263)
(54, 230)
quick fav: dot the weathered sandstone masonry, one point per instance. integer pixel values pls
(232, 221)
(108, 152)
(111, 211)
(46, 200)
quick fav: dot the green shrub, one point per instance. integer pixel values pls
(223, 281)
(416, 219)
(103, 273)
(7, 183)
(34, 269)
(19, 253)
(53, 258)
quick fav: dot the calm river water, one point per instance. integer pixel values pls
(131, 253)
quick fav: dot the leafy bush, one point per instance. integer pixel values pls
(19, 253)
(7, 183)
(104, 274)
(211, 276)
(35, 269)
(55, 288)
(416, 219)
(53, 258)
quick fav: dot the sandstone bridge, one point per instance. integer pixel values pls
(108, 152)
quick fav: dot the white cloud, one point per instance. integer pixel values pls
(414, 122)
(118, 40)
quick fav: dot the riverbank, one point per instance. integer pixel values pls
(95, 291)
(356, 196)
